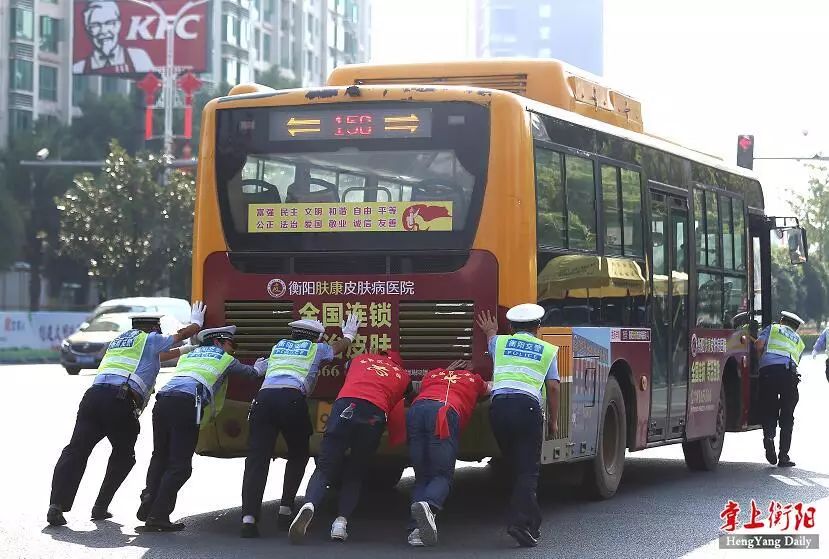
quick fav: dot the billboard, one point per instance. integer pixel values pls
(129, 38)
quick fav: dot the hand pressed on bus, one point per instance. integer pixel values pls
(488, 323)
(349, 327)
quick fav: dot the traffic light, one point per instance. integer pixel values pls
(745, 151)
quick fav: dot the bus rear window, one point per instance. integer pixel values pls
(282, 194)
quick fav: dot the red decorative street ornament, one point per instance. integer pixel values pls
(189, 84)
(149, 84)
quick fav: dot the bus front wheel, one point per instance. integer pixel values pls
(704, 454)
(604, 472)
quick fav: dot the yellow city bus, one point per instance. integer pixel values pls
(416, 196)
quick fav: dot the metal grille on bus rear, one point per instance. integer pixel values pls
(514, 83)
(436, 329)
(259, 325)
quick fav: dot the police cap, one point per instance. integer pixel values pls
(210, 334)
(791, 317)
(308, 325)
(528, 312)
(146, 318)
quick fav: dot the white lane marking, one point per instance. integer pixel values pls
(803, 481)
(786, 480)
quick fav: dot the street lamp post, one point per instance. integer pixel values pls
(170, 71)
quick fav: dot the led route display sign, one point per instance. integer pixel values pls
(350, 123)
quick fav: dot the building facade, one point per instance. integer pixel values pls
(304, 39)
(572, 31)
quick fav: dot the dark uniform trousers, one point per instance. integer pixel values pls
(354, 428)
(517, 423)
(778, 398)
(175, 434)
(100, 414)
(275, 411)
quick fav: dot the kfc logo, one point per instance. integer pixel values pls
(127, 38)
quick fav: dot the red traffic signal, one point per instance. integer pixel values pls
(745, 151)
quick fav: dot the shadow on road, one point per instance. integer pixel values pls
(106, 535)
(661, 510)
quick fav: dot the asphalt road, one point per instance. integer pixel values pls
(661, 509)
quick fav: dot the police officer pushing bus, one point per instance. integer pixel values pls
(191, 399)
(523, 367)
(110, 408)
(281, 407)
(780, 347)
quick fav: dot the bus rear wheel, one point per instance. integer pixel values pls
(604, 472)
(704, 454)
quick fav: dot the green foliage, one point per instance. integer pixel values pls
(129, 226)
(11, 228)
(272, 77)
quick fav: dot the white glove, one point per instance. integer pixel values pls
(197, 313)
(350, 327)
(261, 365)
(186, 349)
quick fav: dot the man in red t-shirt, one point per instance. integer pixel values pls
(370, 399)
(434, 424)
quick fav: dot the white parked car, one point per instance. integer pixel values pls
(85, 348)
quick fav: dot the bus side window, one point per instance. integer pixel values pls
(549, 195)
(581, 203)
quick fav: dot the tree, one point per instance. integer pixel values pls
(814, 298)
(11, 228)
(272, 77)
(133, 230)
(106, 118)
(785, 295)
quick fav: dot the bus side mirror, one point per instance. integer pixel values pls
(797, 246)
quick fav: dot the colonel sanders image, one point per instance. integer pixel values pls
(102, 20)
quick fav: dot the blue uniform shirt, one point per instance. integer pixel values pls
(768, 359)
(189, 385)
(552, 372)
(324, 353)
(148, 365)
(820, 344)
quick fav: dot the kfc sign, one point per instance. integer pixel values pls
(122, 37)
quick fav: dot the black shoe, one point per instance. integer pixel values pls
(249, 530)
(100, 513)
(522, 536)
(771, 454)
(144, 507)
(283, 521)
(785, 462)
(160, 525)
(54, 516)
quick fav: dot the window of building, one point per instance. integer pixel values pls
(545, 10)
(22, 23)
(309, 61)
(49, 33)
(285, 52)
(109, 85)
(267, 9)
(311, 25)
(20, 74)
(48, 83)
(230, 71)
(257, 40)
(80, 89)
(244, 34)
(266, 47)
(544, 32)
(20, 120)
(230, 29)
(244, 72)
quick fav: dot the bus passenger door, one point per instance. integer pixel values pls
(669, 325)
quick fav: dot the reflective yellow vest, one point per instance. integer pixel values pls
(786, 342)
(122, 358)
(292, 358)
(207, 364)
(521, 362)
